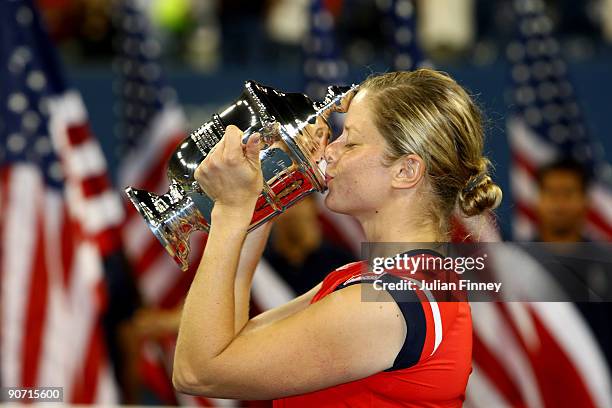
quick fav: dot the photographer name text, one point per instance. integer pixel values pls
(437, 285)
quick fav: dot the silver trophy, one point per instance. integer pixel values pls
(294, 132)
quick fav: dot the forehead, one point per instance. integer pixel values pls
(359, 112)
(561, 177)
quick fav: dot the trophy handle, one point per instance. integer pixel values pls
(172, 217)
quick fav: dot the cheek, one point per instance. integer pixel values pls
(362, 185)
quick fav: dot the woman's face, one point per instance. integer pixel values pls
(358, 181)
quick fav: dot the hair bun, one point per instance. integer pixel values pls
(479, 194)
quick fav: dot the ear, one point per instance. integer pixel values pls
(408, 171)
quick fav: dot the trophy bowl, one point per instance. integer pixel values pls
(294, 131)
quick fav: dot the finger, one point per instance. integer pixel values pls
(232, 149)
(253, 147)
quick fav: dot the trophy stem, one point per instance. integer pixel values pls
(172, 217)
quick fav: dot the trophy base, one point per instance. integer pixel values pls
(170, 220)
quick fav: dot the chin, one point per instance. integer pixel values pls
(332, 205)
(340, 207)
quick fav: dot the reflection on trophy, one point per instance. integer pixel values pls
(294, 132)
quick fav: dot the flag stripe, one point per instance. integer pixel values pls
(36, 308)
(19, 228)
(86, 381)
(78, 134)
(496, 372)
(95, 184)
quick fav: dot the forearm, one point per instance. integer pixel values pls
(250, 255)
(208, 319)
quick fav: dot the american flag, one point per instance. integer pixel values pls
(58, 221)
(548, 124)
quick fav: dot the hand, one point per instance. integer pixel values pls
(231, 173)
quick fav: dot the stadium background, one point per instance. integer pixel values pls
(479, 63)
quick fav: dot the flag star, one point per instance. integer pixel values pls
(545, 24)
(533, 116)
(403, 61)
(525, 95)
(384, 5)
(36, 80)
(403, 36)
(404, 8)
(16, 142)
(547, 91)
(559, 133)
(521, 73)
(24, 15)
(150, 48)
(17, 102)
(55, 171)
(515, 52)
(43, 145)
(30, 121)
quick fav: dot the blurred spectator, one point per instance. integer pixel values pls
(562, 203)
(147, 324)
(562, 208)
(204, 34)
(298, 250)
(84, 27)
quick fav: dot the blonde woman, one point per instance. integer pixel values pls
(410, 151)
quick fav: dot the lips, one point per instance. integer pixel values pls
(328, 178)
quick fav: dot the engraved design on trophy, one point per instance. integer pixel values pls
(294, 132)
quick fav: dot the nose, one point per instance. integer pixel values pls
(330, 152)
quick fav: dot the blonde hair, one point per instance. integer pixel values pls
(425, 112)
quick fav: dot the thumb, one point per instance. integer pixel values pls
(253, 147)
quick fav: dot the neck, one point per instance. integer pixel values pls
(394, 224)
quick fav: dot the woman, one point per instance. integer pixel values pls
(410, 151)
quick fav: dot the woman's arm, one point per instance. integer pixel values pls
(333, 341)
(252, 249)
(338, 339)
